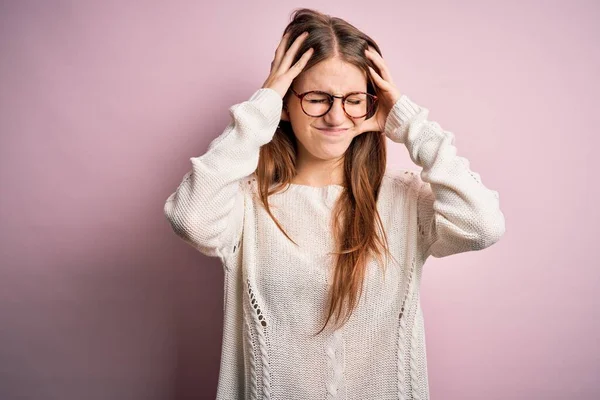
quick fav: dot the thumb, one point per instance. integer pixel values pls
(369, 125)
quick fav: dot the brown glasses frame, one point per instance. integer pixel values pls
(333, 97)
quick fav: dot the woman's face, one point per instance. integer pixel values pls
(326, 137)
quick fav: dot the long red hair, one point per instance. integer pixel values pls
(357, 228)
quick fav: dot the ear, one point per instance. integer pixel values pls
(284, 113)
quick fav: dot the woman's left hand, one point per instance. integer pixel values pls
(388, 94)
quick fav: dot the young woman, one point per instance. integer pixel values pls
(322, 247)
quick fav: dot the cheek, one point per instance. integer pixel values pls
(296, 112)
(301, 123)
(302, 133)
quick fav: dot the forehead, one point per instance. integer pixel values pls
(332, 75)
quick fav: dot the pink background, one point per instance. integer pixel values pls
(102, 104)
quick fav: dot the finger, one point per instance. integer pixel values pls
(374, 56)
(379, 81)
(379, 62)
(291, 53)
(300, 64)
(280, 51)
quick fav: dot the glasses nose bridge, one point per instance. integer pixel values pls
(333, 97)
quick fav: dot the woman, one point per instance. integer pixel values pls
(322, 247)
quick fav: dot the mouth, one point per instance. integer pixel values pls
(333, 132)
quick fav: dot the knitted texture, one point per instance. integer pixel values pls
(275, 292)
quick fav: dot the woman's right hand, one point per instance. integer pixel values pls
(282, 72)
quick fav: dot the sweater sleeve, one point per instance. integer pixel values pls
(207, 208)
(456, 212)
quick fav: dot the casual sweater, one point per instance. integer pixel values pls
(275, 293)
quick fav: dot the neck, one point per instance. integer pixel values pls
(316, 172)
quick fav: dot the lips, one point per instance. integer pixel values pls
(333, 131)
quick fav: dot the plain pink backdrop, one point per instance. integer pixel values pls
(103, 103)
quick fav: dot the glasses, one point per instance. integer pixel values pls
(355, 104)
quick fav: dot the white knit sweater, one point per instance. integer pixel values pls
(276, 293)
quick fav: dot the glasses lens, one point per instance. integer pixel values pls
(357, 104)
(315, 103)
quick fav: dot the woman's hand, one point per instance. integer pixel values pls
(282, 72)
(388, 94)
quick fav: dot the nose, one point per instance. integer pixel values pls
(336, 115)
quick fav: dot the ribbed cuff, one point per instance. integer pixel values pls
(396, 125)
(269, 103)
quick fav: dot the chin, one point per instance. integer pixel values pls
(330, 154)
